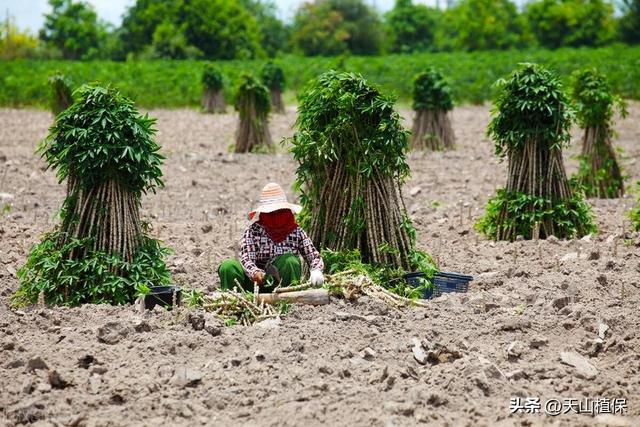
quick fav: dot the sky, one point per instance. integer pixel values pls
(28, 14)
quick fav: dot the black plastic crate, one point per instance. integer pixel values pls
(415, 280)
(443, 283)
(451, 282)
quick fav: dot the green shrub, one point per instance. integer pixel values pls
(521, 220)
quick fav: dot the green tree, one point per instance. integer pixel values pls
(220, 29)
(485, 24)
(71, 27)
(411, 26)
(140, 21)
(273, 32)
(333, 27)
(170, 42)
(557, 23)
(630, 21)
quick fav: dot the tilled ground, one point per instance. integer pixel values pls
(341, 364)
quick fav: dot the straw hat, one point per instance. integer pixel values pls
(273, 198)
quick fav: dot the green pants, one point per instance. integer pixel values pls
(288, 265)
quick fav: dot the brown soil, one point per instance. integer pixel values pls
(341, 364)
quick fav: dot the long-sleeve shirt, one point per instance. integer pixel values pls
(257, 249)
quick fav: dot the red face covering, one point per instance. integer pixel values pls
(278, 224)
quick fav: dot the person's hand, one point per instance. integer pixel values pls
(258, 276)
(316, 278)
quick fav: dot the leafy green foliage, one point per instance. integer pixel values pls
(383, 275)
(212, 77)
(411, 27)
(630, 22)
(344, 118)
(61, 96)
(531, 106)
(169, 42)
(251, 89)
(332, 27)
(570, 217)
(274, 33)
(594, 100)
(220, 29)
(71, 27)
(101, 137)
(558, 23)
(141, 20)
(193, 297)
(590, 181)
(484, 24)
(431, 91)
(154, 84)
(273, 76)
(66, 281)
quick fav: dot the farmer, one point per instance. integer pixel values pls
(273, 240)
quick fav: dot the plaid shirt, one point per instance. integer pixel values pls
(257, 249)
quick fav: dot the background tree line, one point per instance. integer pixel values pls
(246, 29)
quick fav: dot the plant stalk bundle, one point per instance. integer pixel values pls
(530, 126)
(351, 149)
(100, 253)
(432, 130)
(108, 214)
(595, 104)
(432, 102)
(213, 101)
(253, 104)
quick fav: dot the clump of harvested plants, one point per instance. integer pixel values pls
(61, 94)
(253, 105)
(432, 102)
(237, 307)
(530, 127)
(101, 252)
(351, 149)
(213, 84)
(273, 78)
(345, 271)
(599, 174)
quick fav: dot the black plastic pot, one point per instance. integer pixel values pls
(163, 296)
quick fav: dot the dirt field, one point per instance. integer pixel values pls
(341, 364)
